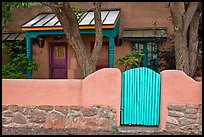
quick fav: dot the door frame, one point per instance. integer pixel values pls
(50, 44)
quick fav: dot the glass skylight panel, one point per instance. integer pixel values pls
(111, 17)
(87, 19)
(103, 15)
(34, 20)
(20, 36)
(44, 20)
(4, 36)
(58, 24)
(52, 22)
(84, 14)
(12, 36)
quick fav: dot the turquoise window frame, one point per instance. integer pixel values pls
(145, 61)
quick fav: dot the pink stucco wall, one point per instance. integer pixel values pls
(177, 88)
(103, 87)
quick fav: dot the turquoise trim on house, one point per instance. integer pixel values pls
(110, 33)
(29, 55)
(145, 39)
(145, 52)
(111, 52)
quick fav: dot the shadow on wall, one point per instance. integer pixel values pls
(177, 88)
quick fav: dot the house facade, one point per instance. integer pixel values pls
(127, 26)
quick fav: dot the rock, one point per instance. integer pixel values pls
(62, 109)
(76, 108)
(8, 113)
(45, 107)
(91, 123)
(37, 116)
(172, 120)
(88, 112)
(192, 116)
(55, 120)
(186, 121)
(193, 106)
(14, 108)
(177, 107)
(191, 111)
(176, 114)
(104, 113)
(4, 107)
(200, 109)
(7, 120)
(19, 118)
(191, 128)
(171, 127)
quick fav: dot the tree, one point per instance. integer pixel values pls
(68, 20)
(186, 36)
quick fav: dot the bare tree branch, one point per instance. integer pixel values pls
(98, 27)
(176, 17)
(189, 15)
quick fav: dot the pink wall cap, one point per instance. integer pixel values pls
(104, 71)
(177, 74)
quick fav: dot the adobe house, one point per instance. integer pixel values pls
(127, 26)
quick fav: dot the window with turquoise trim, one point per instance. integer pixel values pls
(150, 51)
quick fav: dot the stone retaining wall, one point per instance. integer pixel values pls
(184, 118)
(45, 116)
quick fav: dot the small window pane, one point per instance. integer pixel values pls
(30, 23)
(12, 37)
(52, 22)
(103, 15)
(41, 22)
(58, 24)
(4, 36)
(111, 17)
(87, 19)
(20, 36)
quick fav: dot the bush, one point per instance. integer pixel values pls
(17, 63)
(132, 59)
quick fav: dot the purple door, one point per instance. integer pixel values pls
(58, 60)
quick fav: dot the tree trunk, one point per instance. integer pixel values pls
(181, 25)
(193, 43)
(70, 26)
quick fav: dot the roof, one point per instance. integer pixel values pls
(12, 36)
(50, 20)
(145, 32)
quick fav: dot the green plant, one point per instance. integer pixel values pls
(18, 62)
(131, 59)
(115, 130)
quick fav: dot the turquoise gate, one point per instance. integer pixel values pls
(140, 101)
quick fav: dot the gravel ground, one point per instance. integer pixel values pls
(43, 131)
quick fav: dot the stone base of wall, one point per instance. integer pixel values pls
(93, 117)
(184, 118)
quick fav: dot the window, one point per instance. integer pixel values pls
(150, 51)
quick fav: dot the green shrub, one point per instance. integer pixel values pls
(18, 62)
(131, 59)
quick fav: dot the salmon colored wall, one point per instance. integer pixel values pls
(177, 88)
(87, 92)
